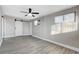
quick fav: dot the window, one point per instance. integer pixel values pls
(56, 29)
(59, 19)
(69, 27)
(64, 23)
(69, 23)
(69, 17)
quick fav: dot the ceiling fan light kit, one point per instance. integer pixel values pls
(30, 13)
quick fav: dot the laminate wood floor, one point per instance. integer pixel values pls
(31, 45)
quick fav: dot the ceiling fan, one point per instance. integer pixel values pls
(30, 12)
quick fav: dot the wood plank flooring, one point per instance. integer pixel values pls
(31, 45)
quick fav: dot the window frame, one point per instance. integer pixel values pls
(61, 23)
(70, 13)
(66, 14)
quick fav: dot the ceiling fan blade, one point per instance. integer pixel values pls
(23, 11)
(35, 13)
(30, 10)
(26, 15)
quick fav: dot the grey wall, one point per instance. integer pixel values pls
(9, 27)
(0, 31)
(44, 29)
(0, 26)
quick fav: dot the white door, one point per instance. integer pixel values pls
(18, 28)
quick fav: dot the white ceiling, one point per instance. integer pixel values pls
(14, 10)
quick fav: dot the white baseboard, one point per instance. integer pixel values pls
(26, 34)
(15, 36)
(63, 45)
(8, 36)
